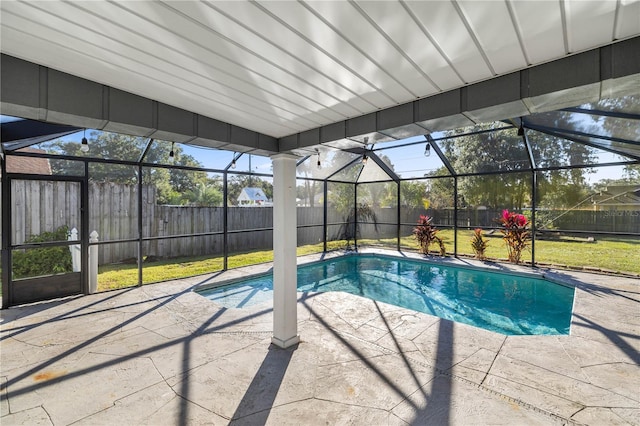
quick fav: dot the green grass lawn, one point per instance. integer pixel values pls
(122, 275)
(611, 254)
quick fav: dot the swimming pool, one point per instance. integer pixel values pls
(504, 303)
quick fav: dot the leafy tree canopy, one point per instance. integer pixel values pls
(174, 186)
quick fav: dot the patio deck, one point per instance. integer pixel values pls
(163, 355)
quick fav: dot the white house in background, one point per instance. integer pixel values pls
(253, 197)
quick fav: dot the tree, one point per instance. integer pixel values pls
(205, 195)
(615, 126)
(379, 194)
(499, 151)
(342, 197)
(632, 173)
(183, 181)
(440, 191)
(171, 184)
(502, 154)
(413, 194)
(565, 187)
(308, 190)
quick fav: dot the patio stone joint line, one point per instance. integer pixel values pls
(494, 360)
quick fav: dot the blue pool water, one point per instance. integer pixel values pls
(507, 304)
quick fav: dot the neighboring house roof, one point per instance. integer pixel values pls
(252, 194)
(28, 165)
(618, 195)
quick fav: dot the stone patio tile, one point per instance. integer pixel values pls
(411, 330)
(4, 403)
(589, 352)
(178, 355)
(447, 343)
(96, 380)
(600, 416)
(30, 417)
(475, 367)
(250, 380)
(579, 391)
(332, 347)
(369, 333)
(154, 319)
(132, 300)
(352, 310)
(537, 350)
(18, 356)
(631, 415)
(173, 331)
(621, 378)
(305, 301)
(353, 326)
(381, 382)
(64, 331)
(397, 343)
(314, 412)
(620, 336)
(156, 405)
(530, 394)
(67, 307)
(449, 401)
(239, 320)
(390, 319)
(405, 323)
(605, 312)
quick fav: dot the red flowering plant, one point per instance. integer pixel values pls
(426, 234)
(479, 244)
(515, 233)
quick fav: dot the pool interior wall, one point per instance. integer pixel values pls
(518, 302)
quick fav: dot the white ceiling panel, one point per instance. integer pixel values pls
(447, 28)
(540, 25)
(589, 21)
(327, 34)
(317, 91)
(500, 44)
(211, 46)
(408, 36)
(292, 52)
(627, 19)
(364, 32)
(281, 67)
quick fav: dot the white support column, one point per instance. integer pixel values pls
(285, 278)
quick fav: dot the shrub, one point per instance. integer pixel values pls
(479, 244)
(350, 230)
(426, 234)
(515, 233)
(45, 260)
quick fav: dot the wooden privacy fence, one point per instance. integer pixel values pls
(44, 206)
(40, 206)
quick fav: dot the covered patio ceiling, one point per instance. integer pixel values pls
(284, 69)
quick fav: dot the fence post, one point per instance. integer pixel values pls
(93, 263)
(75, 250)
